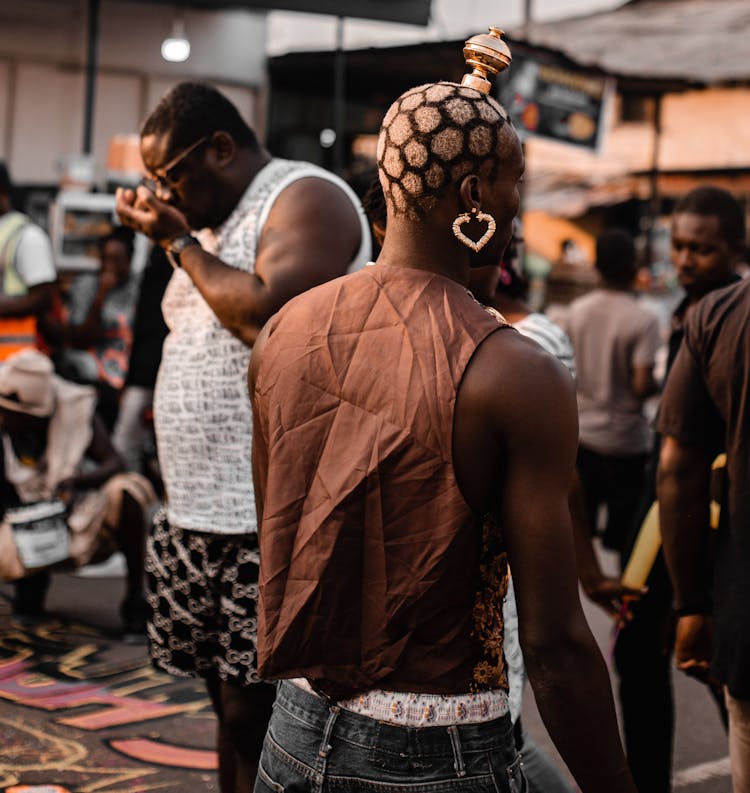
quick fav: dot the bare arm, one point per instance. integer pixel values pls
(642, 382)
(608, 593)
(91, 329)
(311, 235)
(683, 487)
(35, 302)
(85, 334)
(535, 417)
(260, 452)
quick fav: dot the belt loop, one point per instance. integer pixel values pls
(458, 759)
(325, 747)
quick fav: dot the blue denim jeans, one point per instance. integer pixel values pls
(313, 745)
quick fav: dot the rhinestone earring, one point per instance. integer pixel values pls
(482, 217)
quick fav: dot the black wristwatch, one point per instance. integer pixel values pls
(176, 246)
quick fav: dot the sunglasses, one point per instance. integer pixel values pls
(165, 178)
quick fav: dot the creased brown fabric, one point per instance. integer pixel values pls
(370, 555)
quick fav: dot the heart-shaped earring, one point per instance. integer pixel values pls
(482, 217)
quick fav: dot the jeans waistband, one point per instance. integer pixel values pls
(315, 711)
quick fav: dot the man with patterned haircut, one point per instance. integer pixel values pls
(405, 440)
(267, 230)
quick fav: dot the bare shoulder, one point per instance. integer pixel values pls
(515, 412)
(516, 382)
(312, 234)
(312, 197)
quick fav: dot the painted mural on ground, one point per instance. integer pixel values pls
(80, 711)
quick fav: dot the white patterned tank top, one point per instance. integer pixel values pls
(201, 406)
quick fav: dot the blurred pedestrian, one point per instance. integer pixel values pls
(615, 343)
(571, 254)
(391, 409)
(94, 335)
(707, 243)
(707, 240)
(54, 447)
(27, 270)
(132, 434)
(266, 230)
(705, 411)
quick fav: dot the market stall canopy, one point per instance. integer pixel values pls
(414, 12)
(699, 42)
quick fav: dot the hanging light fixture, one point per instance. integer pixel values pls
(176, 47)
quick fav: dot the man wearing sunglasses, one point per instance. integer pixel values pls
(246, 232)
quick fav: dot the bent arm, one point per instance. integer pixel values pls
(80, 336)
(683, 488)
(34, 303)
(642, 382)
(607, 592)
(92, 327)
(537, 423)
(311, 236)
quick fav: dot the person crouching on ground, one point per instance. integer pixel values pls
(55, 447)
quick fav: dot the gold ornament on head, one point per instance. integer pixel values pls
(485, 53)
(482, 217)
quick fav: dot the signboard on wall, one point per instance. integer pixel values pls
(552, 100)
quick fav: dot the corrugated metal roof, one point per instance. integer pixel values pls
(697, 41)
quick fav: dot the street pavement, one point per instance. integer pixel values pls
(701, 762)
(82, 709)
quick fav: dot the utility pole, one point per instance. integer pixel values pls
(526, 16)
(654, 202)
(339, 98)
(522, 191)
(92, 65)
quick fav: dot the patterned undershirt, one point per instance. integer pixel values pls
(424, 710)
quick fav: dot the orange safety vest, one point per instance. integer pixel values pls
(16, 333)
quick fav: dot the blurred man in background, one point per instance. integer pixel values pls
(27, 270)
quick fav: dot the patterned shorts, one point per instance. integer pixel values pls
(203, 593)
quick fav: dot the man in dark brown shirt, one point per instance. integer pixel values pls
(705, 410)
(706, 240)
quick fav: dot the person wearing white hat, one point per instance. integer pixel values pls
(54, 447)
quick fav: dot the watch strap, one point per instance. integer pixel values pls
(176, 246)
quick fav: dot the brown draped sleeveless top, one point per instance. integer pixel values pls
(375, 572)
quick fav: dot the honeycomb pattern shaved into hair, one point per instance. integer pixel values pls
(431, 138)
